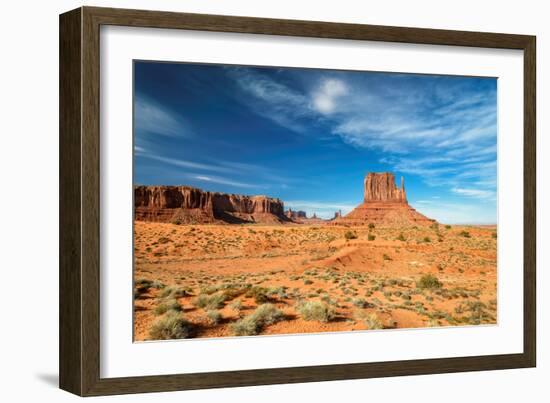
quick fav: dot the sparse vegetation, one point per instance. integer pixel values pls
(209, 302)
(264, 315)
(316, 310)
(350, 235)
(171, 326)
(167, 305)
(215, 317)
(175, 292)
(465, 234)
(228, 272)
(428, 281)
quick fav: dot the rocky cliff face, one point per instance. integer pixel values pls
(186, 204)
(380, 187)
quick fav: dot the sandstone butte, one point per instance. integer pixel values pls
(384, 203)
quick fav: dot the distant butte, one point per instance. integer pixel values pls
(384, 203)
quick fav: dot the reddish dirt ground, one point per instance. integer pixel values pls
(366, 278)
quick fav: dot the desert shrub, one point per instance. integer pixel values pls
(371, 237)
(307, 281)
(175, 292)
(237, 305)
(447, 226)
(350, 235)
(264, 315)
(494, 235)
(260, 294)
(372, 322)
(208, 302)
(167, 305)
(214, 316)
(163, 239)
(428, 281)
(465, 234)
(371, 225)
(427, 239)
(171, 326)
(360, 303)
(316, 310)
(386, 257)
(143, 284)
(401, 237)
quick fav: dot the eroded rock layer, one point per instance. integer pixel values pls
(185, 204)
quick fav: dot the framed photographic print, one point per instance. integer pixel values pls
(249, 201)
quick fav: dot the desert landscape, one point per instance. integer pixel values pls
(211, 264)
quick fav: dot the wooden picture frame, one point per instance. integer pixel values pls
(80, 198)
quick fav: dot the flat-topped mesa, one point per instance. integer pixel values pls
(186, 204)
(380, 187)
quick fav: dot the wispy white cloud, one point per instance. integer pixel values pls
(151, 117)
(223, 181)
(273, 100)
(187, 164)
(477, 193)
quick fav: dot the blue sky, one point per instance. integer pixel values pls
(308, 136)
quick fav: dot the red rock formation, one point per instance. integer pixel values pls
(295, 215)
(380, 187)
(384, 204)
(191, 205)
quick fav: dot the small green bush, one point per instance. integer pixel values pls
(371, 226)
(237, 305)
(260, 294)
(171, 326)
(372, 322)
(371, 237)
(427, 239)
(167, 305)
(214, 316)
(386, 257)
(175, 292)
(316, 310)
(350, 235)
(209, 302)
(360, 303)
(401, 237)
(253, 324)
(428, 281)
(465, 234)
